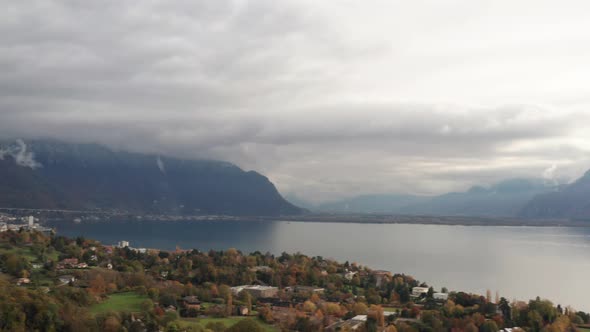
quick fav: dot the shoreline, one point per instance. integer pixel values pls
(352, 219)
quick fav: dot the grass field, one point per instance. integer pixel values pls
(583, 329)
(25, 252)
(130, 302)
(228, 322)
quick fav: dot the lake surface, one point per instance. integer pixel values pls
(518, 262)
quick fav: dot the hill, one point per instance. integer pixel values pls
(50, 174)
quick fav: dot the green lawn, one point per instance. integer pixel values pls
(230, 321)
(583, 329)
(25, 252)
(390, 309)
(130, 302)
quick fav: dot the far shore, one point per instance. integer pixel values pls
(332, 218)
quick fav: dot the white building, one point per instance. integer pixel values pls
(418, 291)
(440, 296)
(256, 291)
(123, 244)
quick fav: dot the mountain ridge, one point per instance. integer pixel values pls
(54, 174)
(503, 199)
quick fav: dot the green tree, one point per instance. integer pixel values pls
(489, 326)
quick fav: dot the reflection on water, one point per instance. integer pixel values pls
(519, 262)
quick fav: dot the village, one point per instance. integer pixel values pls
(185, 290)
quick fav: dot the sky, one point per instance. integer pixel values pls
(329, 99)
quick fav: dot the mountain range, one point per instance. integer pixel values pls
(524, 198)
(52, 174)
(57, 175)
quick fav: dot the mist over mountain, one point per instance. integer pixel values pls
(569, 202)
(375, 203)
(52, 174)
(504, 199)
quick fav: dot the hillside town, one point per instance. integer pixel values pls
(98, 287)
(14, 223)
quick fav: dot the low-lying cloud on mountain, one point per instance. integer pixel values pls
(328, 100)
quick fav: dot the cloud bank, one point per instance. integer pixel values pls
(329, 100)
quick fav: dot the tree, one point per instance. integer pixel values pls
(430, 293)
(489, 326)
(360, 308)
(229, 308)
(98, 285)
(376, 313)
(504, 307)
(246, 298)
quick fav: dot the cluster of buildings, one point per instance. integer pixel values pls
(355, 322)
(9, 223)
(71, 263)
(126, 244)
(418, 292)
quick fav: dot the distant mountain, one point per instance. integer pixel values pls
(570, 202)
(50, 174)
(504, 199)
(302, 203)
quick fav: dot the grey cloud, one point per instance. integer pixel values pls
(327, 99)
(19, 152)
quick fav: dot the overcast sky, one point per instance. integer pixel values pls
(327, 98)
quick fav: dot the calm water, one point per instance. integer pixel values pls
(519, 262)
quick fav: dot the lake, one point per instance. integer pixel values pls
(518, 262)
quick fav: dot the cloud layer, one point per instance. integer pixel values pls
(330, 99)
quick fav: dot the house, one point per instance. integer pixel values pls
(191, 302)
(66, 279)
(349, 275)
(419, 291)
(170, 308)
(242, 311)
(23, 281)
(256, 291)
(67, 263)
(347, 325)
(262, 268)
(440, 296)
(381, 277)
(305, 289)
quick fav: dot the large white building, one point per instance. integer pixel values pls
(256, 290)
(440, 296)
(419, 291)
(123, 244)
